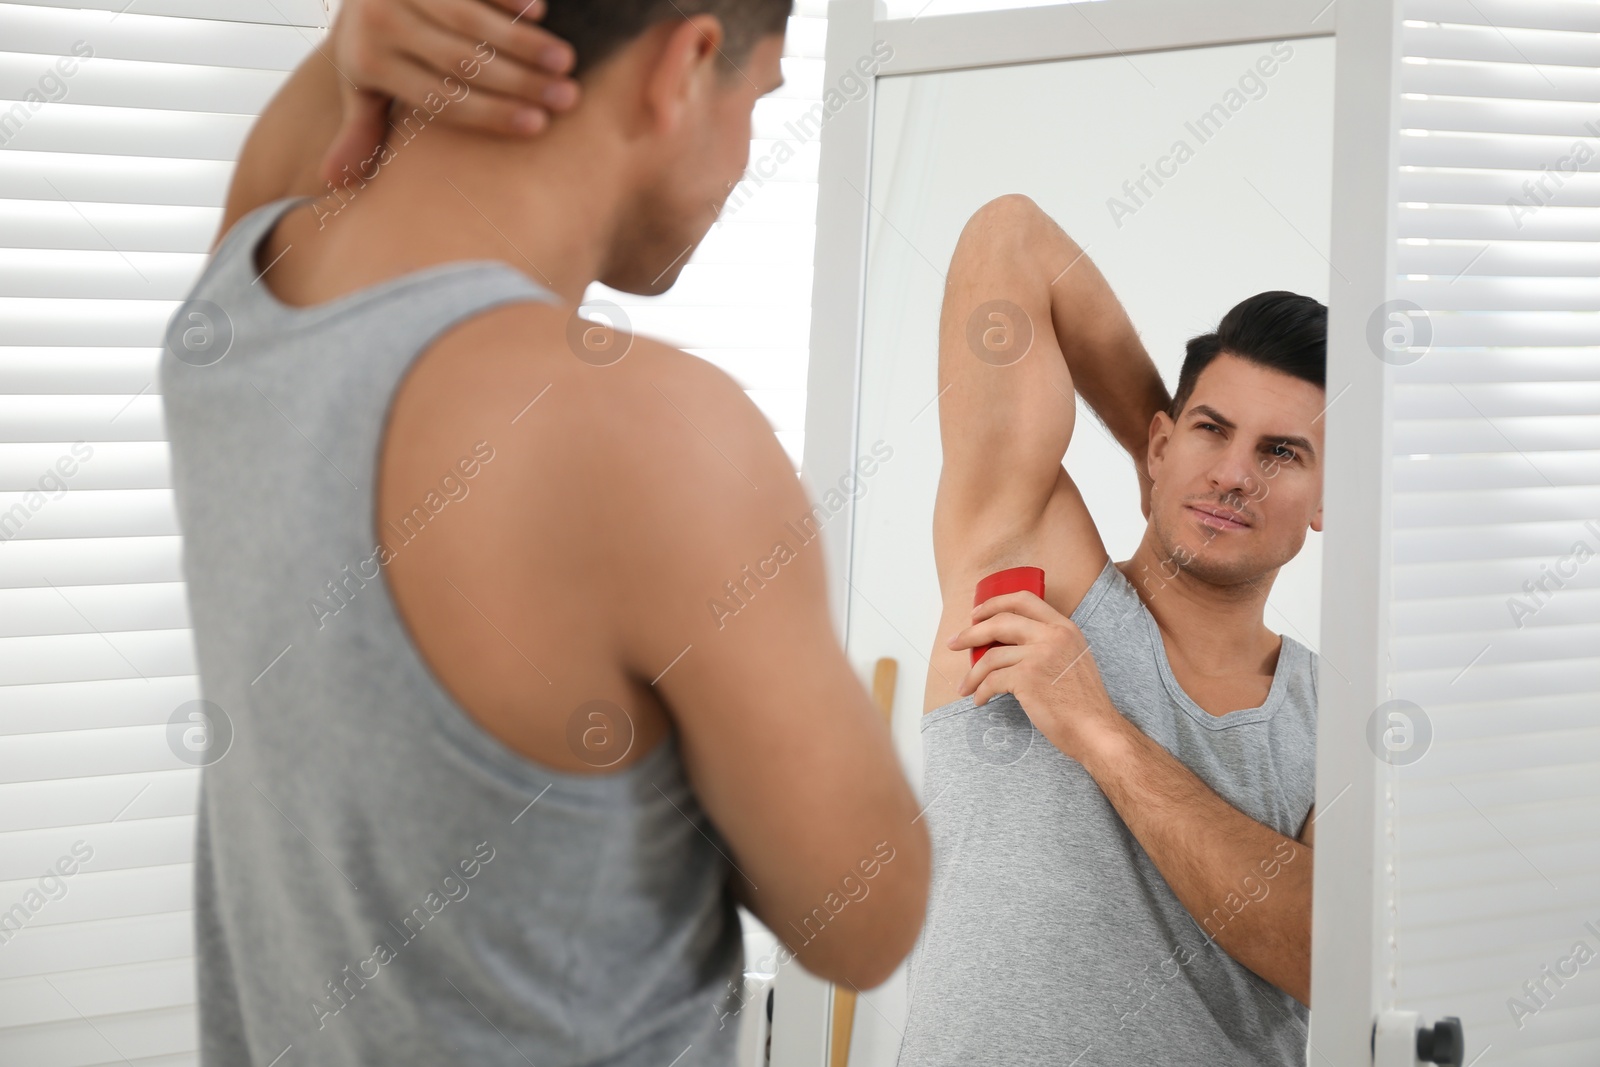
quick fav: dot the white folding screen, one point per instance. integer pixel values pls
(119, 126)
(1491, 883)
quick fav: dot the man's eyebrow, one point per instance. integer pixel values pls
(1211, 414)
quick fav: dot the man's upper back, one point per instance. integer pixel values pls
(646, 564)
(378, 878)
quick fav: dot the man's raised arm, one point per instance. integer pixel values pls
(1026, 323)
(486, 57)
(1109, 364)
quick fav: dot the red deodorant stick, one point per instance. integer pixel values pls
(1012, 580)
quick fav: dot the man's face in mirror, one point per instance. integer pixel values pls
(1238, 476)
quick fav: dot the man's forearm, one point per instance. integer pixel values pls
(1247, 885)
(1108, 362)
(281, 155)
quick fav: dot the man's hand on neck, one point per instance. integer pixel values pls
(331, 113)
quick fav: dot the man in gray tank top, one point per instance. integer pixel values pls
(483, 777)
(1120, 791)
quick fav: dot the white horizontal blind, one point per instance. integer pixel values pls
(111, 190)
(113, 171)
(1494, 832)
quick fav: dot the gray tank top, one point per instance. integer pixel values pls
(1051, 938)
(378, 880)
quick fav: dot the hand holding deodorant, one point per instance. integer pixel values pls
(1011, 580)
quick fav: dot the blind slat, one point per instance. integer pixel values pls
(67, 561)
(1522, 259)
(1450, 77)
(1562, 15)
(83, 801)
(124, 845)
(132, 84)
(1501, 44)
(90, 609)
(82, 658)
(1576, 189)
(308, 13)
(51, 33)
(91, 177)
(96, 991)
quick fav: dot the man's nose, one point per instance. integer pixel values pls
(1236, 472)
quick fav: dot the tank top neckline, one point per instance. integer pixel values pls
(1288, 662)
(254, 227)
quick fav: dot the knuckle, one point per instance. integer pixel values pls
(467, 112)
(373, 19)
(486, 108)
(453, 17)
(363, 56)
(502, 115)
(528, 83)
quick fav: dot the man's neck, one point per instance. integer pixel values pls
(1212, 624)
(547, 207)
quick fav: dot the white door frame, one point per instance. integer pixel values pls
(1346, 985)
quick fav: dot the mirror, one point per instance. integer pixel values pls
(1192, 178)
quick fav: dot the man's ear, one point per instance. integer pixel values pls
(685, 48)
(1161, 426)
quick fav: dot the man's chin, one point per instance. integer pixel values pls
(1213, 566)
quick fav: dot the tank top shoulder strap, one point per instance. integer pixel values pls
(247, 232)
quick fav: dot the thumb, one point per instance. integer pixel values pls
(365, 127)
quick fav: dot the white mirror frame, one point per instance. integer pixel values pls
(1346, 983)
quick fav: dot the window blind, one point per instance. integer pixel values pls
(114, 163)
(119, 127)
(1493, 820)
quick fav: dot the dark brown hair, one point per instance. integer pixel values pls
(1281, 330)
(597, 28)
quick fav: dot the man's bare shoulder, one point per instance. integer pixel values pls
(646, 434)
(666, 477)
(638, 394)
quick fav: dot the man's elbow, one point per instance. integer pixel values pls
(867, 939)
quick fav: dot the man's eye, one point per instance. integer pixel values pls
(1284, 452)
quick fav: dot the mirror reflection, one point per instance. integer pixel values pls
(1094, 344)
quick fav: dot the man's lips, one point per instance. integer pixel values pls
(1218, 518)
